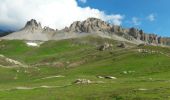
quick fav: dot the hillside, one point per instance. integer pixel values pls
(115, 72)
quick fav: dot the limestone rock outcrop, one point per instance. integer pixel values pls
(90, 25)
(94, 25)
(34, 31)
(32, 25)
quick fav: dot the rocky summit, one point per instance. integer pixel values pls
(92, 26)
(32, 25)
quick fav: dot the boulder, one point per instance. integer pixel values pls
(82, 81)
(122, 45)
(105, 46)
(106, 77)
(110, 77)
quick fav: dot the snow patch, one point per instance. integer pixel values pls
(32, 44)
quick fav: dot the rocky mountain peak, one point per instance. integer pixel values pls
(92, 20)
(33, 25)
(90, 25)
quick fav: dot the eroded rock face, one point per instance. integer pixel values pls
(94, 25)
(48, 30)
(165, 41)
(33, 25)
(148, 38)
(66, 29)
(90, 25)
(34, 31)
(135, 33)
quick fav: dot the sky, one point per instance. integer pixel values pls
(150, 15)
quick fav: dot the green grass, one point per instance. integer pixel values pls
(140, 76)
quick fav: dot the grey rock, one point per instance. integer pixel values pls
(90, 25)
(34, 31)
(48, 30)
(82, 81)
(122, 45)
(32, 25)
(110, 77)
(105, 46)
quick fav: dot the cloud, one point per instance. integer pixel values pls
(136, 21)
(113, 19)
(83, 1)
(52, 13)
(151, 17)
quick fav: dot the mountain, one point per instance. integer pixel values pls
(92, 26)
(31, 31)
(90, 67)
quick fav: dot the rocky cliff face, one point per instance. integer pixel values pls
(48, 30)
(94, 25)
(165, 41)
(90, 25)
(32, 25)
(34, 31)
(148, 38)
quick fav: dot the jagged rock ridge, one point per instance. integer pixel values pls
(34, 31)
(90, 25)
(94, 25)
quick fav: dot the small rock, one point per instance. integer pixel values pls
(110, 77)
(122, 45)
(82, 81)
(100, 77)
(105, 46)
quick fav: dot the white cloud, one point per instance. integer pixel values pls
(52, 13)
(151, 17)
(83, 1)
(113, 19)
(136, 21)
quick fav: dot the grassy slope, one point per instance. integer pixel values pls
(148, 71)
